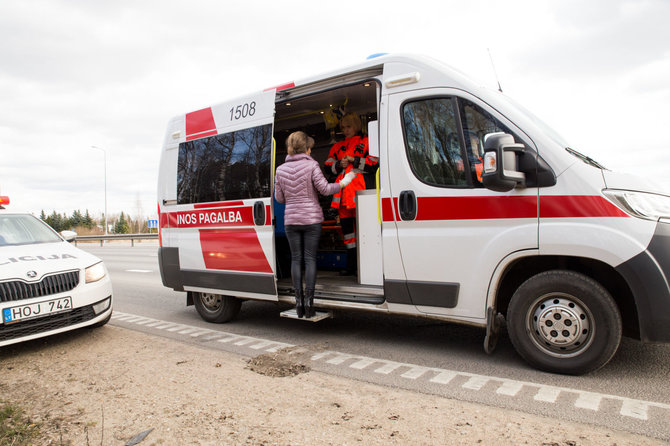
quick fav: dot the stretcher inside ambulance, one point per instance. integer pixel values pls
(478, 214)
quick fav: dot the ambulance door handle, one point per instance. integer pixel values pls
(259, 213)
(407, 205)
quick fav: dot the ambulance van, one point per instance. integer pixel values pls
(478, 214)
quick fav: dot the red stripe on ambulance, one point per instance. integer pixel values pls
(483, 208)
(199, 124)
(567, 206)
(235, 249)
(238, 216)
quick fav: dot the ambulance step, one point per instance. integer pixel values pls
(320, 315)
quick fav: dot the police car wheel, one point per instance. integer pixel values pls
(564, 322)
(216, 307)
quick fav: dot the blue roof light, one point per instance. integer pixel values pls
(372, 56)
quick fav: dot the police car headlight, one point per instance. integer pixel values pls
(640, 204)
(95, 272)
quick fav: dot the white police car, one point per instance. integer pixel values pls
(47, 286)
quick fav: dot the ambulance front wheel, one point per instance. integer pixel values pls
(216, 307)
(564, 322)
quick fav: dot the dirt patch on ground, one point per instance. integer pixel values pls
(278, 365)
(106, 386)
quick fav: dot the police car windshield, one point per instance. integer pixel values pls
(18, 229)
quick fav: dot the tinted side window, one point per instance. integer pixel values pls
(433, 143)
(231, 166)
(477, 123)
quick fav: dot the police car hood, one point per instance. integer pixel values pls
(32, 262)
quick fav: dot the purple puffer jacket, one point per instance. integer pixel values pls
(296, 184)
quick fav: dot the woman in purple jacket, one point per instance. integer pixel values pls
(297, 182)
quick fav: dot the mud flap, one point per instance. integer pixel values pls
(493, 325)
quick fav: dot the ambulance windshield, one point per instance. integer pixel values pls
(543, 126)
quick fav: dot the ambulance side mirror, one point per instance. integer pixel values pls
(501, 162)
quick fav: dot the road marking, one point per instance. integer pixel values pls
(139, 271)
(475, 383)
(547, 394)
(414, 372)
(588, 400)
(631, 408)
(635, 409)
(444, 377)
(509, 388)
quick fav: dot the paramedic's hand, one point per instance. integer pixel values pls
(347, 179)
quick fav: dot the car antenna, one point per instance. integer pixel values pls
(494, 70)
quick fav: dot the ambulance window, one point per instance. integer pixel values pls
(433, 143)
(477, 123)
(230, 166)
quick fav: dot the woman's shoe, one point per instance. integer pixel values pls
(299, 303)
(309, 304)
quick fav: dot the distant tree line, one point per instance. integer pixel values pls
(84, 224)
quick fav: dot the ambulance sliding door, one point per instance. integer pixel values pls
(223, 223)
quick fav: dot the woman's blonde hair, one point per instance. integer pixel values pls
(352, 119)
(299, 142)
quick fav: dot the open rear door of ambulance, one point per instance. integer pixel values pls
(220, 220)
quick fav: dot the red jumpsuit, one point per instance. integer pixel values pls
(355, 147)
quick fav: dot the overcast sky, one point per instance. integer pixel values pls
(76, 74)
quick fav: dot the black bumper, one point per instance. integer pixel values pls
(647, 275)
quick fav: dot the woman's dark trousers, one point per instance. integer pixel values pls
(304, 243)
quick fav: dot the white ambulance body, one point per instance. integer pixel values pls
(478, 210)
(47, 286)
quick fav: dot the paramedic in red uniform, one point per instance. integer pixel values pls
(297, 183)
(350, 155)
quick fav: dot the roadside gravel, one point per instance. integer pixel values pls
(106, 386)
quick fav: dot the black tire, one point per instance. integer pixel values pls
(216, 307)
(564, 322)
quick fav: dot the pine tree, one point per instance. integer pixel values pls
(87, 221)
(121, 226)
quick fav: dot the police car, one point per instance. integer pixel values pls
(47, 286)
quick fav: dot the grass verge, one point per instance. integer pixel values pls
(15, 427)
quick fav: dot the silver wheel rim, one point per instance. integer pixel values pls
(211, 302)
(560, 325)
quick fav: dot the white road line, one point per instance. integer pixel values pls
(444, 377)
(414, 372)
(362, 363)
(139, 271)
(588, 400)
(543, 393)
(263, 344)
(547, 394)
(339, 359)
(388, 368)
(509, 388)
(635, 409)
(475, 383)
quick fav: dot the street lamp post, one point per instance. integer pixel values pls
(104, 152)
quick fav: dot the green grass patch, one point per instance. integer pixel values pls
(15, 427)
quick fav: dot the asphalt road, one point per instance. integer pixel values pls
(631, 393)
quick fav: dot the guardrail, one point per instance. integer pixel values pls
(110, 237)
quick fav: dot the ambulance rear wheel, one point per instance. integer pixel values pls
(564, 322)
(216, 307)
